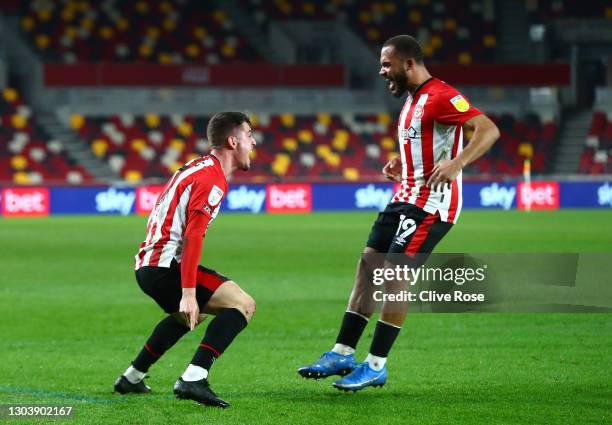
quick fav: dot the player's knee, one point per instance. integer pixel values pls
(246, 305)
(367, 262)
(362, 266)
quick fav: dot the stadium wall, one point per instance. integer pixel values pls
(302, 198)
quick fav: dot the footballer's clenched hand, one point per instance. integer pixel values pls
(393, 169)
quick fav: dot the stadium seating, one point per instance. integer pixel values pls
(451, 31)
(528, 137)
(27, 156)
(289, 146)
(596, 157)
(293, 147)
(176, 31)
(545, 10)
(169, 31)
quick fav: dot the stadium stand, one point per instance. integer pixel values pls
(27, 155)
(321, 145)
(347, 146)
(174, 31)
(596, 157)
(292, 147)
(527, 137)
(170, 31)
(451, 31)
(545, 10)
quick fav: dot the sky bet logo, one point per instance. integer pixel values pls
(604, 195)
(497, 196)
(146, 197)
(289, 198)
(115, 201)
(373, 197)
(540, 195)
(243, 198)
(32, 202)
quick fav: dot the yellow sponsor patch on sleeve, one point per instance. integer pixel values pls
(460, 103)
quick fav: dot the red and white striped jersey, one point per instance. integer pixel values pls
(197, 187)
(429, 130)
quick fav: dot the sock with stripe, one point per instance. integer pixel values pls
(167, 333)
(219, 335)
(351, 330)
(382, 341)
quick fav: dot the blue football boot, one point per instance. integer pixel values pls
(363, 376)
(329, 364)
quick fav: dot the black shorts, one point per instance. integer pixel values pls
(406, 229)
(164, 285)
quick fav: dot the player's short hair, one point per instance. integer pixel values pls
(406, 46)
(222, 124)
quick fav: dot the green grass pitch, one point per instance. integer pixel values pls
(73, 318)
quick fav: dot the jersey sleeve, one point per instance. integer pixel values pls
(206, 196)
(192, 247)
(453, 108)
(207, 192)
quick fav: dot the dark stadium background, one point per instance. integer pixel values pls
(101, 101)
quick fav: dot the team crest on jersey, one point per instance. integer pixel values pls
(215, 195)
(460, 103)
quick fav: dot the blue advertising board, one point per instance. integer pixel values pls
(351, 196)
(92, 200)
(585, 195)
(253, 198)
(245, 198)
(489, 195)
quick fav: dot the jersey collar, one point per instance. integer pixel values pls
(421, 86)
(220, 166)
(212, 155)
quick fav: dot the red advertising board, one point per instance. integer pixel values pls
(297, 75)
(289, 198)
(146, 196)
(550, 74)
(25, 202)
(542, 195)
(229, 75)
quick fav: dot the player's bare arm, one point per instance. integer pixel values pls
(485, 133)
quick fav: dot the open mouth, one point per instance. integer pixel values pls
(390, 83)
